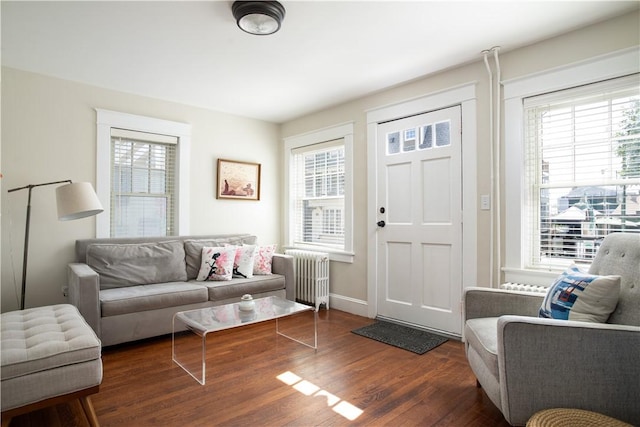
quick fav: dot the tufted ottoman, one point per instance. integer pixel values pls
(49, 355)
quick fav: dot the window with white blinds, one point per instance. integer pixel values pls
(318, 199)
(143, 184)
(582, 169)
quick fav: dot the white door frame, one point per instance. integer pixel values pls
(465, 96)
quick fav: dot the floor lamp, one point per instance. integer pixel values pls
(75, 200)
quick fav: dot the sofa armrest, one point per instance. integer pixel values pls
(488, 302)
(84, 293)
(549, 363)
(283, 264)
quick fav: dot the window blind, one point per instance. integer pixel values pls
(143, 187)
(318, 188)
(582, 169)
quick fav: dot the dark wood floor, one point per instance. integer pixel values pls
(350, 380)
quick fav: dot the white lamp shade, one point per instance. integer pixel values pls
(77, 200)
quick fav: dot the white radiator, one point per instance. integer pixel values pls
(522, 287)
(311, 271)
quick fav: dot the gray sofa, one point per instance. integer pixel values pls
(526, 364)
(145, 281)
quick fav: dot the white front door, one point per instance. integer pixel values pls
(419, 253)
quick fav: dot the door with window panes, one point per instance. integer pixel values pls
(419, 239)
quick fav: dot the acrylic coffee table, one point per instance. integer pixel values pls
(190, 354)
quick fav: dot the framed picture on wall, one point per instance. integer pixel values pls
(238, 180)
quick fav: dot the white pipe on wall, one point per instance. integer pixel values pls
(495, 257)
(498, 193)
(491, 166)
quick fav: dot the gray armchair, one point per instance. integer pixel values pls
(526, 364)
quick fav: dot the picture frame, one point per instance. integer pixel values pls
(238, 180)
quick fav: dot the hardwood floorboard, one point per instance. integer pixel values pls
(384, 385)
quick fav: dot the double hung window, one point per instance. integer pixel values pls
(318, 192)
(318, 197)
(142, 175)
(143, 168)
(582, 169)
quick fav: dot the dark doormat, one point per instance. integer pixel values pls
(414, 340)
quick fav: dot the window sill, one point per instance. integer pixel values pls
(531, 277)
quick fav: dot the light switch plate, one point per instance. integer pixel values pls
(485, 202)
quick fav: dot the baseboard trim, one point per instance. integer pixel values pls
(348, 304)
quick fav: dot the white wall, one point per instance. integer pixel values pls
(350, 280)
(49, 134)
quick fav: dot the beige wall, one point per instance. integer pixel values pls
(350, 280)
(49, 134)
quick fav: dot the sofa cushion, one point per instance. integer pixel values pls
(134, 299)
(137, 264)
(482, 335)
(193, 250)
(620, 254)
(238, 287)
(576, 295)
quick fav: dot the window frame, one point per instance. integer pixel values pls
(609, 66)
(106, 120)
(344, 132)
(559, 119)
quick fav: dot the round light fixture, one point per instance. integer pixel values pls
(258, 17)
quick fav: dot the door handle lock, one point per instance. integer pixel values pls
(381, 223)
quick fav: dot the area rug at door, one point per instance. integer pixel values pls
(411, 339)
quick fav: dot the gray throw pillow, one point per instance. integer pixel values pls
(122, 265)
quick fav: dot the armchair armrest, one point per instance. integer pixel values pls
(283, 264)
(488, 302)
(84, 293)
(545, 363)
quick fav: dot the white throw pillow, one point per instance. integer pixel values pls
(217, 263)
(263, 259)
(244, 260)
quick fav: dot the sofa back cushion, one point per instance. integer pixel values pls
(137, 264)
(619, 255)
(193, 250)
(82, 244)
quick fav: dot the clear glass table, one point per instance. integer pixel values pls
(190, 355)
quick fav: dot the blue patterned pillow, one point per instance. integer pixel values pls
(576, 295)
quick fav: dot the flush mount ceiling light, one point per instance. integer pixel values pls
(258, 17)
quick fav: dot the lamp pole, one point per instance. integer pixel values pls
(26, 233)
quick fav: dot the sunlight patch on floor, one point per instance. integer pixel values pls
(307, 388)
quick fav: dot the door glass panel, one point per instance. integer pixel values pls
(443, 136)
(393, 143)
(426, 140)
(409, 143)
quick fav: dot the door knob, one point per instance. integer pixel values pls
(381, 223)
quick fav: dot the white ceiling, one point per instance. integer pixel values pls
(327, 52)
